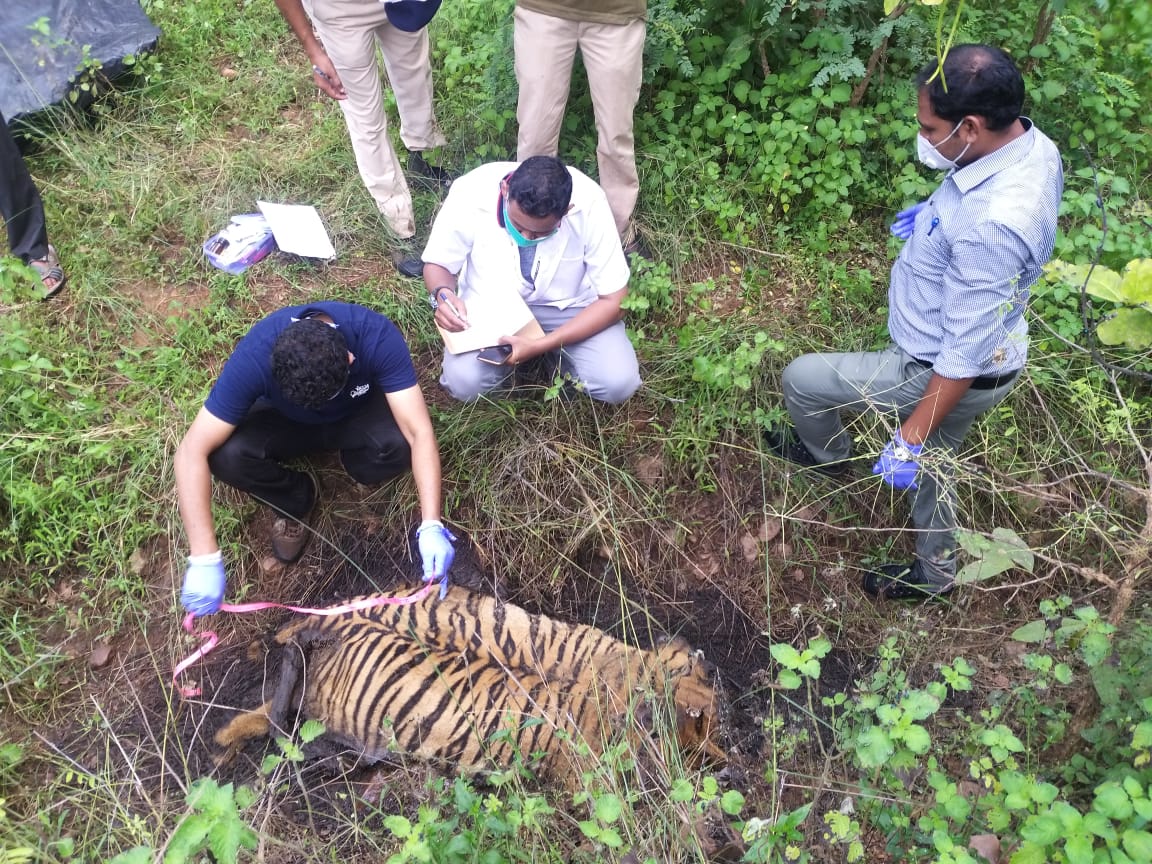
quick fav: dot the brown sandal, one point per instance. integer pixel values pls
(49, 270)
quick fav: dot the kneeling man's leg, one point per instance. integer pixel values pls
(466, 378)
(250, 460)
(604, 364)
(818, 387)
(372, 447)
(934, 499)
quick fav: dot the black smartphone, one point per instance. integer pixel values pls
(495, 355)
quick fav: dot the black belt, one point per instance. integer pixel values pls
(985, 382)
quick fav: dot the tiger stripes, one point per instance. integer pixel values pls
(474, 683)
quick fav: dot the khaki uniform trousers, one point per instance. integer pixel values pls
(614, 59)
(351, 31)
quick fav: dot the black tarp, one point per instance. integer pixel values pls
(42, 45)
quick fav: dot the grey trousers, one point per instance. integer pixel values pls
(605, 363)
(818, 387)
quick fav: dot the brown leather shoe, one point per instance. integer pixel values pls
(289, 537)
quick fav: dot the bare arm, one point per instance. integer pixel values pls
(598, 315)
(940, 397)
(323, 72)
(194, 480)
(411, 415)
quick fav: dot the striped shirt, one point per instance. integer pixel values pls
(960, 285)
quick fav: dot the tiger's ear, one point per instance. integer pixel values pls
(674, 648)
(689, 661)
(705, 667)
(643, 716)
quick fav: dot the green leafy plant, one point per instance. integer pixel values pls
(1129, 325)
(775, 841)
(884, 726)
(844, 831)
(602, 826)
(799, 664)
(215, 825)
(14, 849)
(461, 825)
(707, 794)
(290, 751)
(992, 555)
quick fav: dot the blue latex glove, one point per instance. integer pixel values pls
(905, 221)
(898, 465)
(204, 582)
(436, 551)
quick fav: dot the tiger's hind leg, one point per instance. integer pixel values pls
(291, 674)
(271, 715)
(239, 731)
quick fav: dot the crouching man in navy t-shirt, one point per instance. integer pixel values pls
(327, 376)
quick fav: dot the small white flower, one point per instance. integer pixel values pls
(796, 611)
(754, 827)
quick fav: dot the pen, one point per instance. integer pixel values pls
(455, 312)
(932, 226)
(321, 73)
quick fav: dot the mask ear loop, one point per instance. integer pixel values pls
(500, 200)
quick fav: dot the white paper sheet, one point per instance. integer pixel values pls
(496, 314)
(298, 229)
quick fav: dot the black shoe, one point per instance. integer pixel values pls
(539, 371)
(419, 167)
(407, 263)
(782, 441)
(636, 246)
(903, 582)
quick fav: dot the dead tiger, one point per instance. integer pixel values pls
(439, 679)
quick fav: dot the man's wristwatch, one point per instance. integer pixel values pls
(903, 451)
(432, 301)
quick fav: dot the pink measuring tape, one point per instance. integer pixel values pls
(208, 638)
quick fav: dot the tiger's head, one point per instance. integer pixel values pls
(695, 697)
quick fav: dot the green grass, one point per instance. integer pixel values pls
(663, 514)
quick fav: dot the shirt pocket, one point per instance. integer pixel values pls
(928, 252)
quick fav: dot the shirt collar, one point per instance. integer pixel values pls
(971, 176)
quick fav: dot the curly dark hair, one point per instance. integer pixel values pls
(981, 80)
(310, 362)
(541, 186)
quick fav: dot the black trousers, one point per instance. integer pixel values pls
(372, 450)
(20, 203)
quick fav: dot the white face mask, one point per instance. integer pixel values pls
(933, 158)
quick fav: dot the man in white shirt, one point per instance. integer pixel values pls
(548, 231)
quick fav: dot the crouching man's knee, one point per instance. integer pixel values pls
(613, 390)
(467, 379)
